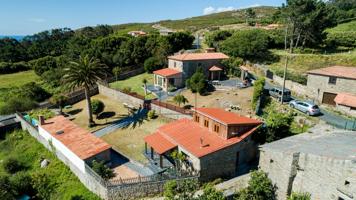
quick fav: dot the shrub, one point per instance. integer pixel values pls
(8, 67)
(33, 91)
(126, 89)
(12, 165)
(295, 77)
(97, 106)
(257, 91)
(210, 192)
(342, 38)
(14, 104)
(44, 64)
(151, 114)
(6, 190)
(299, 196)
(151, 64)
(102, 170)
(46, 113)
(233, 66)
(197, 82)
(22, 183)
(42, 183)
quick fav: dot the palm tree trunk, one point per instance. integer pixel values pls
(90, 115)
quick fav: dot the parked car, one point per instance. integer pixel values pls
(277, 93)
(305, 107)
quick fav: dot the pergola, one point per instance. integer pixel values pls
(215, 71)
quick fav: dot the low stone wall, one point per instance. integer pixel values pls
(126, 98)
(299, 89)
(346, 110)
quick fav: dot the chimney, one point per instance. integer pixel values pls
(41, 120)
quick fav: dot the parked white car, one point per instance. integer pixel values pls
(305, 107)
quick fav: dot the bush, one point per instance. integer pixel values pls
(12, 165)
(8, 67)
(14, 104)
(151, 114)
(102, 170)
(6, 190)
(151, 64)
(233, 66)
(299, 196)
(97, 106)
(46, 113)
(33, 91)
(44, 64)
(126, 90)
(342, 38)
(197, 82)
(257, 91)
(22, 183)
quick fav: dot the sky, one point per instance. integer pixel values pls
(24, 17)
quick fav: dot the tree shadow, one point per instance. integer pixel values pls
(134, 119)
(106, 115)
(75, 111)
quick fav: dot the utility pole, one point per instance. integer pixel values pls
(287, 57)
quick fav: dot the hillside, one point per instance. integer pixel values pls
(263, 15)
(344, 27)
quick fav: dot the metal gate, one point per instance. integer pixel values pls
(328, 98)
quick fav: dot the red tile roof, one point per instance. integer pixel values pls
(80, 141)
(226, 117)
(346, 99)
(215, 68)
(337, 71)
(166, 72)
(199, 56)
(159, 143)
(195, 139)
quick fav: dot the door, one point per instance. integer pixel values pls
(237, 162)
(328, 98)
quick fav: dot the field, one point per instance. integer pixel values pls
(17, 79)
(129, 141)
(301, 63)
(55, 181)
(113, 111)
(125, 28)
(135, 83)
(344, 27)
(222, 99)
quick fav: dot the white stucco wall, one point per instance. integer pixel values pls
(74, 159)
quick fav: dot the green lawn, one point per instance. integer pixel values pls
(17, 79)
(301, 63)
(135, 83)
(55, 181)
(349, 26)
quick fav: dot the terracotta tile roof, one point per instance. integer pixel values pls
(337, 71)
(166, 72)
(226, 117)
(346, 99)
(80, 141)
(195, 139)
(159, 143)
(199, 56)
(215, 68)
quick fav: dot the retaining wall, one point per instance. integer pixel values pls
(299, 89)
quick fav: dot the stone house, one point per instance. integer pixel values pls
(322, 164)
(183, 66)
(346, 103)
(216, 143)
(326, 83)
(78, 145)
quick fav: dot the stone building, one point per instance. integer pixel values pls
(322, 164)
(215, 142)
(183, 66)
(326, 83)
(346, 103)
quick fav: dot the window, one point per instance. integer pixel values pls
(332, 80)
(216, 128)
(175, 64)
(206, 123)
(197, 118)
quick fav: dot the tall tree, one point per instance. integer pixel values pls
(84, 73)
(180, 99)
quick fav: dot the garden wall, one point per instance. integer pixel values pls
(136, 101)
(299, 89)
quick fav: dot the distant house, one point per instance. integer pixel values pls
(77, 145)
(137, 33)
(215, 142)
(320, 163)
(346, 103)
(183, 66)
(166, 31)
(326, 83)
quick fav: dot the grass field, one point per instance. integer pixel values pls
(344, 27)
(56, 181)
(130, 141)
(135, 83)
(301, 63)
(17, 79)
(123, 29)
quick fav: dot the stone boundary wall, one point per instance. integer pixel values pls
(125, 98)
(92, 182)
(299, 89)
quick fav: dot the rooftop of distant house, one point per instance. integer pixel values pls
(195, 139)
(166, 72)
(346, 99)
(198, 56)
(80, 141)
(336, 71)
(337, 144)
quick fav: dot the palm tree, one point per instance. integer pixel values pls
(84, 73)
(60, 100)
(144, 81)
(180, 99)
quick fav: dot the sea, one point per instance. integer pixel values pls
(16, 37)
